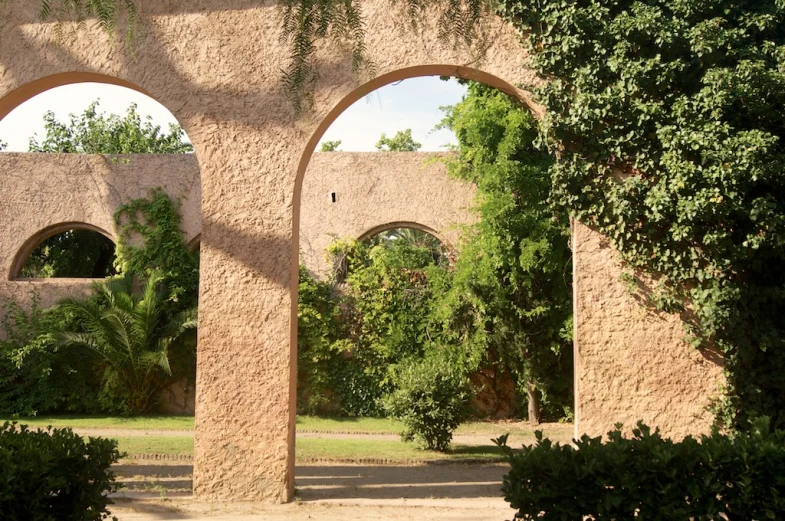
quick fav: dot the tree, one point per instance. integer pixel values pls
(130, 334)
(330, 146)
(510, 302)
(401, 142)
(96, 132)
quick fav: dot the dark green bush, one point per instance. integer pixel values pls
(54, 474)
(432, 399)
(648, 477)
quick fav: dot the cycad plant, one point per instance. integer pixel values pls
(131, 334)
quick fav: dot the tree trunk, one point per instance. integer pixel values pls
(535, 418)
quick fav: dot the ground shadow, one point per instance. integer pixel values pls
(434, 481)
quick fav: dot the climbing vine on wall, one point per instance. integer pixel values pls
(669, 118)
(150, 239)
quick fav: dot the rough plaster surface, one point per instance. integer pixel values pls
(632, 363)
(216, 64)
(374, 190)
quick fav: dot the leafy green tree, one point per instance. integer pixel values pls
(330, 146)
(510, 302)
(131, 335)
(401, 142)
(96, 132)
(319, 332)
(385, 304)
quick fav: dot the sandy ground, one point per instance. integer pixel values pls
(161, 489)
(328, 492)
(425, 510)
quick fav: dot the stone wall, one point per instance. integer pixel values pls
(632, 363)
(216, 65)
(378, 190)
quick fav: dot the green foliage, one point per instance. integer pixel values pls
(308, 21)
(106, 11)
(330, 146)
(510, 303)
(131, 335)
(96, 133)
(353, 332)
(41, 373)
(667, 115)
(648, 477)
(54, 474)
(73, 254)
(388, 299)
(35, 375)
(432, 399)
(401, 142)
(150, 240)
(318, 332)
(415, 238)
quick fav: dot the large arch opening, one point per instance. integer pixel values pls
(497, 382)
(147, 202)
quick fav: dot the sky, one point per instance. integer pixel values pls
(412, 103)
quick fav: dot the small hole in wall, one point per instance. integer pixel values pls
(332, 195)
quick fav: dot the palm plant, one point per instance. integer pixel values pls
(131, 333)
(415, 238)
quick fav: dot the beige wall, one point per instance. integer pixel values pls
(216, 64)
(632, 363)
(376, 189)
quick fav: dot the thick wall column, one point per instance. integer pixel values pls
(632, 363)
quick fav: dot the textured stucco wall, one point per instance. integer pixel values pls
(632, 363)
(216, 64)
(374, 189)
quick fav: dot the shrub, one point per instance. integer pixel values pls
(649, 477)
(432, 400)
(35, 376)
(54, 474)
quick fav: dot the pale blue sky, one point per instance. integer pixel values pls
(412, 103)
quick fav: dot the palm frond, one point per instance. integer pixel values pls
(157, 358)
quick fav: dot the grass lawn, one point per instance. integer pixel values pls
(492, 429)
(169, 445)
(310, 449)
(169, 423)
(305, 423)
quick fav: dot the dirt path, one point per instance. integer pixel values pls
(327, 492)
(161, 490)
(358, 511)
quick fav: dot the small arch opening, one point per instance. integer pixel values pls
(70, 250)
